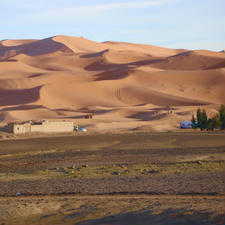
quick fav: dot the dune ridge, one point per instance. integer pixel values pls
(118, 82)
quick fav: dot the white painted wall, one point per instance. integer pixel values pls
(37, 128)
(57, 126)
(46, 127)
(22, 128)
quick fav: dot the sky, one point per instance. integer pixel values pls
(189, 24)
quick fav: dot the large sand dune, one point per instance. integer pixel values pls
(122, 84)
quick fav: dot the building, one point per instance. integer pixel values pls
(45, 126)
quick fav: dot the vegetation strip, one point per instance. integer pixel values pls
(86, 171)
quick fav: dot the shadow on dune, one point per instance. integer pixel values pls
(191, 60)
(217, 65)
(35, 48)
(11, 60)
(102, 64)
(22, 107)
(18, 97)
(113, 75)
(148, 116)
(168, 217)
(36, 75)
(147, 62)
(96, 54)
(163, 108)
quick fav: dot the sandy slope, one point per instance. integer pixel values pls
(122, 84)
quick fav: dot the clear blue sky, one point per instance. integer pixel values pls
(191, 24)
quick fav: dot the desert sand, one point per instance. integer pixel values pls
(123, 85)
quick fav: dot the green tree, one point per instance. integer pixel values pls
(222, 117)
(194, 122)
(212, 123)
(199, 118)
(204, 120)
(217, 121)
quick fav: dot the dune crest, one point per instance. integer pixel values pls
(11, 43)
(78, 44)
(124, 84)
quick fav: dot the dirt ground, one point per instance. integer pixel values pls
(199, 183)
(133, 178)
(113, 210)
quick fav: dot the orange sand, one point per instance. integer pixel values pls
(124, 85)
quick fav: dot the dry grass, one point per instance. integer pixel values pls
(93, 171)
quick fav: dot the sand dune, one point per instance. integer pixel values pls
(145, 49)
(78, 45)
(119, 56)
(32, 48)
(10, 43)
(193, 60)
(129, 85)
(141, 95)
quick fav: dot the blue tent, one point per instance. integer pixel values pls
(186, 124)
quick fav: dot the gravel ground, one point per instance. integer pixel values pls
(203, 183)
